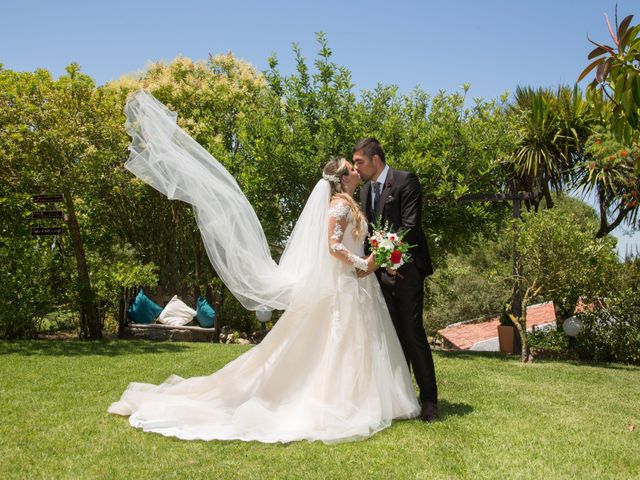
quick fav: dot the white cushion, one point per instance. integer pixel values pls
(176, 313)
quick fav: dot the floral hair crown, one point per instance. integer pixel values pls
(331, 178)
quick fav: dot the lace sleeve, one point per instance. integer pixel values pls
(338, 216)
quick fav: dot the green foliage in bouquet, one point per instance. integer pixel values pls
(388, 248)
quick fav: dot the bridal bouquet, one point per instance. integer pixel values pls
(388, 248)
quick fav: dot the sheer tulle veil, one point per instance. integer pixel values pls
(169, 160)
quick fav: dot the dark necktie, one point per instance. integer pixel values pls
(376, 196)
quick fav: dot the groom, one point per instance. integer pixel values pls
(394, 196)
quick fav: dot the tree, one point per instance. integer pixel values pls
(295, 128)
(57, 131)
(615, 89)
(553, 127)
(454, 150)
(210, 98)
(608, 172)
(561, 261)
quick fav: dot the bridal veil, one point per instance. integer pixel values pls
(168, 159)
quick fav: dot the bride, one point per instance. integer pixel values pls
(332, 368)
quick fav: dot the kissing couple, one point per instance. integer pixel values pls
(336, 365)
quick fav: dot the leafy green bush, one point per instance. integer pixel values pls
(610, 327)
(26, 294)
(34, 271)
(561, 259)
(468, 286)
(612, 334)
(59, 320)
(123, 269)
(553, 340)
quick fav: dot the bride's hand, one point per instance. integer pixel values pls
(371, 266)
(371, 263)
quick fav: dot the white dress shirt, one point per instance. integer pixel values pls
(381, 179)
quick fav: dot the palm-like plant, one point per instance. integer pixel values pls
(553, 127)
(576, 123)
(608, 172)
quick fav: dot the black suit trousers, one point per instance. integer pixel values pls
(405, 298)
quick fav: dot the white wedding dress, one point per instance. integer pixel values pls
(331, 369)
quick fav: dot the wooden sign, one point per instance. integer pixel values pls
(46, 231)
(55, 198)
(47, 214)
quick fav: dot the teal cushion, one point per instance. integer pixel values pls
(205, 314)
(143, 309)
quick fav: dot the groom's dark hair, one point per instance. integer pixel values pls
(370, 146)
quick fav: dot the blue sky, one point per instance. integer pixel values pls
(493, 45)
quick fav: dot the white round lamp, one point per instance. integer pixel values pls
(572, 326)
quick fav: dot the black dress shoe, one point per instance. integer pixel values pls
(429, 412)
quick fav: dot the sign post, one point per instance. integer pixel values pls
(56, 198)
(47, 215)
(36, 231)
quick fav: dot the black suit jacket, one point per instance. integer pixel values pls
(401, 205)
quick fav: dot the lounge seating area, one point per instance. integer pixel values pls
(154, 313)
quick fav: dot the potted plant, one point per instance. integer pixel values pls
(508, 337)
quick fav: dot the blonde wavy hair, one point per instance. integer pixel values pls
(333, 172)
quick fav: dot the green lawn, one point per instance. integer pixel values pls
(500, 419)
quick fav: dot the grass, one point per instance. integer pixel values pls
(500, 419)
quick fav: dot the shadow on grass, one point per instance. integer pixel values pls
(457, 409)
(475, 355)
(589, 363)
(71, 348)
